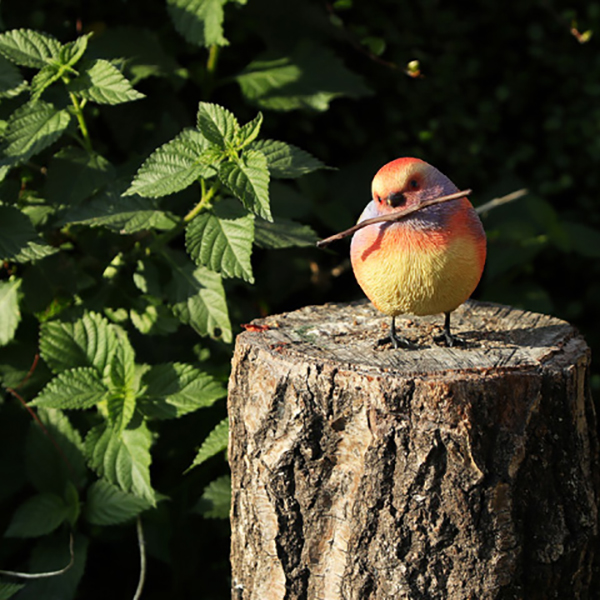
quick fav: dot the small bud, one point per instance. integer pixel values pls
(413, 69)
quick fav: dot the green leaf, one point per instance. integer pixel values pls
(286, 161)
(121, 214)
(38, 516)
(198, 298)
(10, 315)
(584, 240)
(199, 21)
(71, 53)
(8, 590)
(122, 383)
(248, 180)
(106, 504)
(32, 128)
(249, 132)
(123, 458)
(75, 175)
(11, 81)
(28, 48)
(77, 388)
(103, 83)
(221, 239)
(308, 79)
(52, 462)
(43, 79)
(175, 389)
(216, 499)
(283, 233)
(51, 553)
(149, 316)
(88, 342)
(142, 47)
(216, 442)
(172, 167)
(217, 124)
(121, 371)
(18, 239)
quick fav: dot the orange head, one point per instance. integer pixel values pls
(407, 182)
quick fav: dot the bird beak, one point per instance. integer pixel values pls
(396, 199)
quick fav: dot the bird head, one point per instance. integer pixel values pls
(406, 183)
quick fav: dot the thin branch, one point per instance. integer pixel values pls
(502, 200)
(142, 546)
(46, 574)
(392, 217)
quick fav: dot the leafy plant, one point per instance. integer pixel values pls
(154, 266)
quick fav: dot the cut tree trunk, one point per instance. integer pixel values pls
(363, 472)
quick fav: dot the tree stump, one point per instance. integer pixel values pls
(363, 472)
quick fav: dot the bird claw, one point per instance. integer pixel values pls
(450, 340)
(397, 341)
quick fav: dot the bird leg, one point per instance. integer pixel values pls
(447, 337)
(397, 340)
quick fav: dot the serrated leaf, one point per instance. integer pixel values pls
(32, 128)
(43, 79)
(175, 389)
(221, 239)
(215, 502)
(172, 167)
(249, 132)
(8, 590)
(10, 315)
(283, 233)
(11, 80)
(106, 504)
(48, 468)
(143, 48)
(217, 124)
(121, 214)
(18, 239)
(75, 175)
(198, 298)
(88, 342)
(37, 516)
(77, 388)
(248, 180)
(103, 83)
(199, 21)
(286, 161)
(121, 371)
(215, 442)
(72, 52)
(123, 458)
(28, 48)
(310, 78)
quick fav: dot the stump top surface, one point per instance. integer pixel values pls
(496, 336)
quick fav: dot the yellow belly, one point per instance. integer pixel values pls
(419, 279)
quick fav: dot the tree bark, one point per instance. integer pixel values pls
(363, 472)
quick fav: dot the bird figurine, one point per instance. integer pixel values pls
(426, 263)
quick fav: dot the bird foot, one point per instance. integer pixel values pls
(449, 340)
(397, 341)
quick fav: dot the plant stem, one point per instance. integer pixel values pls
(211, 70)
(204, 201)
(87, 142)
(167, 236)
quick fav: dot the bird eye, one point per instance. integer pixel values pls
(414, 184)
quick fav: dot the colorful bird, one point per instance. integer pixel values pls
(428, 262)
